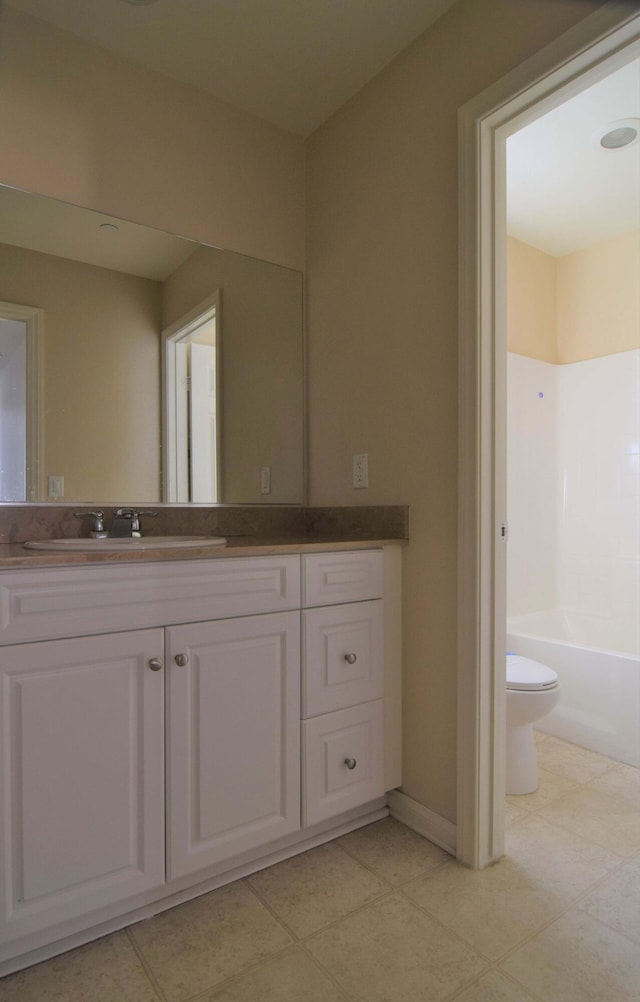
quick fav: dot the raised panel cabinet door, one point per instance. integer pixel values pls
(233, 711)
(81, 783)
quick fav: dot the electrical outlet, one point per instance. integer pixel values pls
(56, 487)
(361, 469)
(265, 480)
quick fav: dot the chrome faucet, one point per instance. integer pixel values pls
(98, 530)
(126, 522)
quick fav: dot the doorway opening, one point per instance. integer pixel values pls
(602, 43)
(192, 406)
(573, 412)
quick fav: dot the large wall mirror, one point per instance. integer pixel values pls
(139, 367)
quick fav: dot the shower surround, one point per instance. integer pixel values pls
(574, 540)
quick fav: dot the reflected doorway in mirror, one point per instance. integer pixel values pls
(21, 403)
(192, 405)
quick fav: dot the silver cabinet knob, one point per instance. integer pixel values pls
(350, 659)
(350, 763)
(155, 664)
(181, 660)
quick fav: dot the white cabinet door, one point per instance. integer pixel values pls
(233, 704)
(81, 784)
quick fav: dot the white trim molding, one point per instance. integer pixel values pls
(181, 331)
(592, 50)
(422, 820)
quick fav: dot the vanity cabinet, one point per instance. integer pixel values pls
(174, 722)
(82, 803)
(343, 683)
(233, 735)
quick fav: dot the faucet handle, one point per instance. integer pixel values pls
(97, 528)
(134, 515)
(136, 528)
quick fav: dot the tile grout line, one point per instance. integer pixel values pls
(265, 903)
(253, 966)
(565, 831)
(569, 907)
(415, 876)
(145, 964)
(302, 939)
(598, 845)
(301, 942)
(450, 932)
(523, 942)
(326, 970)
(583, 782)
(516, 984)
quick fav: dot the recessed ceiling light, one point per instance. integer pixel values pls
(108, 226)
(618, 135)
(139, 3)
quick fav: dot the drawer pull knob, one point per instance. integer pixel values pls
(155, 664)
(350, 659)
(350, 763)
(181, 660)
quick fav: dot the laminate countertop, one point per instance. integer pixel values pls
(14, 555)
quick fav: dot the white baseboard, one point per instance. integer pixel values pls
(423, 821)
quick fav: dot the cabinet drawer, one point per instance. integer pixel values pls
(332, 743)
(75, 601)
(343, 656)
(331, 578)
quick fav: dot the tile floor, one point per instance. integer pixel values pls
(384, 916)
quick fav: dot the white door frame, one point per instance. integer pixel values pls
(33, 319)
(179, 331)
(574, 61)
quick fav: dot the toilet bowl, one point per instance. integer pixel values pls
(532, 692)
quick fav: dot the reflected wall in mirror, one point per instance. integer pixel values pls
(86, 424)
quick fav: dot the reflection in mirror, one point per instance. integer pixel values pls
(21, 398)
(192, 405)
(85, 418)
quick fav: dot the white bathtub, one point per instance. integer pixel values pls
(600, 703)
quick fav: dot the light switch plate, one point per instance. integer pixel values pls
(56, 487)
(361, 469)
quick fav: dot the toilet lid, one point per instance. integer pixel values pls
(523, 673)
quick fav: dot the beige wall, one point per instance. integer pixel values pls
(262, 379)
(101, 373)
(532, 302)
(599, 299)
(89, 127)
(582, 305)
(382, 252)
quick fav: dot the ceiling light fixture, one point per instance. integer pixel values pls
(108, 226)
(618, 135)
(139, 3)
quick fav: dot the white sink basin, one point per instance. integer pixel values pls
(126, 543)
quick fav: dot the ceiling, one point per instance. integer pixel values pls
(290, 62)
(564, 192)
(295, 62)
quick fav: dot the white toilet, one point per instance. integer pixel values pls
(532, 692)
